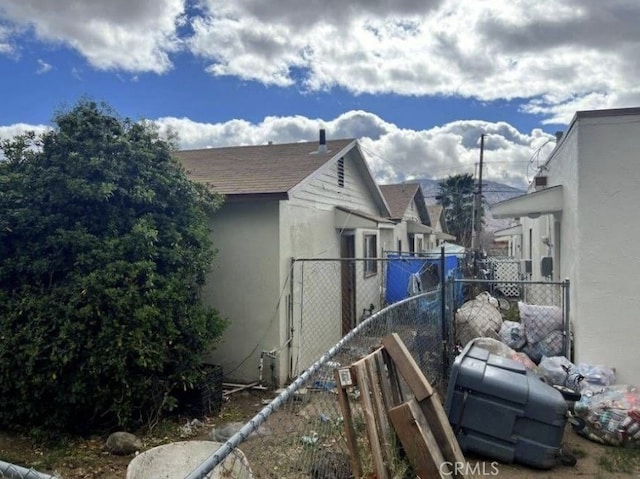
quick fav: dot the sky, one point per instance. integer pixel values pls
(417, 82)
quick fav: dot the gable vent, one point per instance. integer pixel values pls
(341, 172)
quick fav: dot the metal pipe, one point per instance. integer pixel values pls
(508, 281)
(443, 311)
(17, 472)
(567, 326)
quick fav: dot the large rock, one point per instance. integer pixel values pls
(123, 443)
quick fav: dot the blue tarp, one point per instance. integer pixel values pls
(400, 267)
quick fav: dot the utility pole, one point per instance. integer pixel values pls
(476, 222)
(478, 219)
(477, 204)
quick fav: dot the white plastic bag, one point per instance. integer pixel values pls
(539, 321)
(555, 369)
(595, 376)
(512, 334)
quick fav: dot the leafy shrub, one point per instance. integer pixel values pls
(104, 247)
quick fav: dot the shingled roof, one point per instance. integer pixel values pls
(257, 170)
(400, 196)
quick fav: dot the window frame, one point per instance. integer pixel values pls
(370, 250)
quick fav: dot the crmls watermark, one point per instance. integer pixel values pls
(464, 468)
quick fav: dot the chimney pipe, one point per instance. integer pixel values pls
(322, 147)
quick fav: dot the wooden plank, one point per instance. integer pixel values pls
(418, 442)
(380, 411)
(427, 398)
(350, 432)
(359, 370)
(407, 366)
(439, 423)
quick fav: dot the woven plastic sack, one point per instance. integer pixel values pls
(539, 321)
(512, 334)
(610, 415)
(477, 318)
(550, 345)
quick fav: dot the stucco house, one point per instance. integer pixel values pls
(577, 221)
(283, 201)
(413, 232)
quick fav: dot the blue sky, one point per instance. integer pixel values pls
(416, 81)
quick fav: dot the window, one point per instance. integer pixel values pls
(341, 172)
(419, 246)
(370, 251)
(400, 245)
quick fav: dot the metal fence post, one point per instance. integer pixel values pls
(567, 326)
(443, 312)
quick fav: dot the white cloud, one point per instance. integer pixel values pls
(11, 131)
(553, 56)
(394, 154)
(43, 67)
(116, 34)
(561, 54)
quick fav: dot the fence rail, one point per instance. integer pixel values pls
(12, 471)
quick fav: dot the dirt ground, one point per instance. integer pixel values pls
(87, 459)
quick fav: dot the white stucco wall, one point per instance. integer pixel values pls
(246, 235)
(597, 165)
(608, 307)
(308, 230)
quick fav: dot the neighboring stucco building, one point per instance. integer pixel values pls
(581, 212)
(297, 200)
(408, 210)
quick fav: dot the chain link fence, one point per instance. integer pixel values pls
(330, 297)
(529, 316)
(300, 434)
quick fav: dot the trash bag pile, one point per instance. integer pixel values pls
(539, 333)
(606, 412)
(610, 415)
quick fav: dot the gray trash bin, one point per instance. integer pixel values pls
(501, 411)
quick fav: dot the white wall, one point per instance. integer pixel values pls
(597, 165)
(243, 285)
(308, 230)
(609, 181)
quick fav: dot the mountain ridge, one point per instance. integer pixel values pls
(492, 192)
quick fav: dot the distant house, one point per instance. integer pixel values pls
(413, 232)
(577, 221)
(297, 200)
(438, 223)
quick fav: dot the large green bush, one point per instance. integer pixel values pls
(104, 247)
